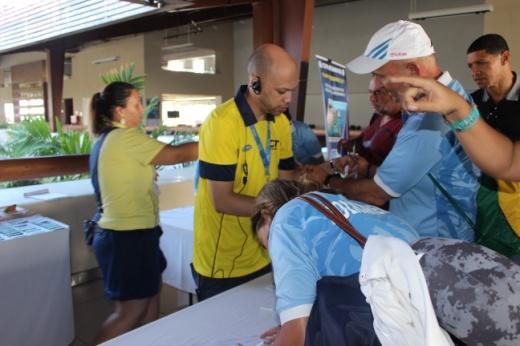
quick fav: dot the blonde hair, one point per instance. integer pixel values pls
(278, 192)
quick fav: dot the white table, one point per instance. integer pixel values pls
(237, 316)
(177, 246)
(35, 292)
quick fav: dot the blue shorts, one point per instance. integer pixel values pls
(131, 262)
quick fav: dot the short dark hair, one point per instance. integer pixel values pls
(491, 43)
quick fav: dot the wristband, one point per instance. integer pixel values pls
(466, 123)
(329, 177)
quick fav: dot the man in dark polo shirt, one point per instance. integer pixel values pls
(488, 59)
(498, 99)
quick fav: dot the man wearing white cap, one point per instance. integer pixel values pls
(427, 176)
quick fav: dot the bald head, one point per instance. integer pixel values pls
(268, 58)
(273, 76)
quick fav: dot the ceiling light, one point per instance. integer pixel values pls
(178, 46)
(104, 60)
(448, 12)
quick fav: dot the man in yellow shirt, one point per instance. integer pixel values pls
(244, 143)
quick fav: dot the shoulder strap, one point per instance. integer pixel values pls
(93, 168)
(452, 201)
(329, 210)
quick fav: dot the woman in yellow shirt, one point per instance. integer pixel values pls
(126, 241)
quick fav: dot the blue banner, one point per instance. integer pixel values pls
(335, 102)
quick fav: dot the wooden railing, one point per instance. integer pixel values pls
(42, 167)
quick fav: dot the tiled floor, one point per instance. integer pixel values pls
(91, 308)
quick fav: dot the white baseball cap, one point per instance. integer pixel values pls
(395, 41)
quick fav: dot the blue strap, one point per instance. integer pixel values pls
(265, 153)
(93, 168)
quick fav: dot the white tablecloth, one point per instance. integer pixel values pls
(177, 246)
(35, 292)
(237, 316)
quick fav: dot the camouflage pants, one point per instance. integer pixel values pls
(475, 291)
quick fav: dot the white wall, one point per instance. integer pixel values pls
(218, 37)
(504, 21)
(86, 76)
(145, 51)
(342, 31)
(243, 47)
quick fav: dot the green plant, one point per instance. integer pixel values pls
(159, 131)
(33, 137)
(29, 138)
(72, 142)
(125, 73)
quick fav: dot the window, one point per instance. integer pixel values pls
(190, 59)
(9, 112)
(186, 110)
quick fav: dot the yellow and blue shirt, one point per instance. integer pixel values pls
(126, 180)
(225, 246)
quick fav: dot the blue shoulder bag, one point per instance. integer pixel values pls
(89, 226)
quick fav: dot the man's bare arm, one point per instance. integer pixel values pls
(494, 153)
(172, 154)
(292, 333)
(365, 190)
(228, 202)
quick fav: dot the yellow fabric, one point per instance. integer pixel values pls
(126, 180)
(509, 201)
(225, 246)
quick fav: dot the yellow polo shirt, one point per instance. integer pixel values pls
(225, 246)
(126, 180)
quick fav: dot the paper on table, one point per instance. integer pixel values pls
(27, 226)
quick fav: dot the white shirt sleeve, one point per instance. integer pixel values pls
(295, 312)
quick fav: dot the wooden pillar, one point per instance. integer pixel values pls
(287, 23)
(55, 68)
(263, 25)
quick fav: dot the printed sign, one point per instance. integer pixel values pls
(335, 101)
